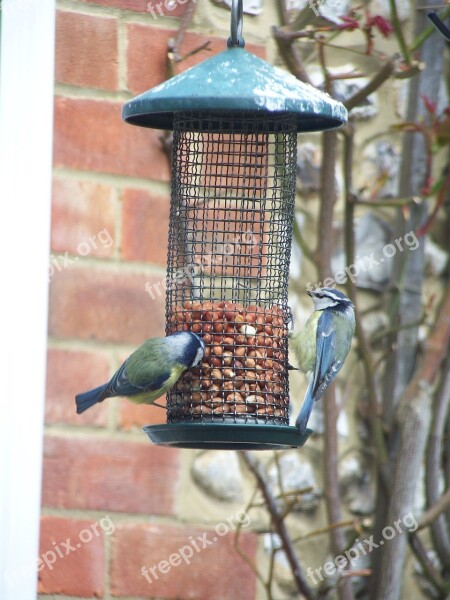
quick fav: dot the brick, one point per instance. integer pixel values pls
(90, 135)
(106, 305)
(83, 218)
(110, 475)
(214, 572)
(76, 549)
(178, 10)
(68, 373)
(86, 50)
(134, 416)
(147, 54)
(145, 226)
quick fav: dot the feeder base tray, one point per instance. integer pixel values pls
(224, 436)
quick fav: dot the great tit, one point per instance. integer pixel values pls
(150, 371)
(321, 347)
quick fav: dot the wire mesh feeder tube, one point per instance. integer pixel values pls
(230, 234)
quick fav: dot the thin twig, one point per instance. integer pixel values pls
(399, 32)
(429, 570)
(291, 56)
(327, 529)
(196, 50)
(239, 550)
(300, 580)
(377, 80)
(363, 345)
(298, 237)
(310, 34)
(379, 335)
(324, 252)
(434, 511)
(185, 21)
(284, 13)
(440, 199)
(388, 203)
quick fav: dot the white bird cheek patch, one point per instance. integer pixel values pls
(198, 356)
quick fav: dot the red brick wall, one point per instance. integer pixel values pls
(109, 497)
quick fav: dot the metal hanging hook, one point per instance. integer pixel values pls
(236, 40)
(440, 26)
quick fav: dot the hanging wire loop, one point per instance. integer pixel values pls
(236, 40)
(440, 26)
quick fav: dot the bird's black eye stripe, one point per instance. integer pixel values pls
(319, 295)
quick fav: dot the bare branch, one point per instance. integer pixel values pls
(324, 252)
(290, 55)
(363, 345)
(383, 74)
(398, 30)
(277, 519)
(439, 530)
(429, 570)
(413, 419)
(434, 511)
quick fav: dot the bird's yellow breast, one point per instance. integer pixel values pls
(304, 344)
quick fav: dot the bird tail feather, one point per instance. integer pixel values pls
(305, 412)
(88, 399)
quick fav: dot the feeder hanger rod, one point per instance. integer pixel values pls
(440, 26)
(236, 40)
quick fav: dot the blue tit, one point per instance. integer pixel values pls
(150, 371)
(321, 347)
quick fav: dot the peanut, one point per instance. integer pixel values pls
(229, 374)
(227, 358)
(235, 397)
(219, 327)
(215, 361)
(201, 409)
(217, 374)
(196, 327)
(247, 330)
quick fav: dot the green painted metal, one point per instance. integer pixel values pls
(235, 81)
(226, 436)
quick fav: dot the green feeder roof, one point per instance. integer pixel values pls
(235, 81)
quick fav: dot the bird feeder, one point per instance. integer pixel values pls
(235, 120)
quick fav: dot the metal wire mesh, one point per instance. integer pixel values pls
(230, 233)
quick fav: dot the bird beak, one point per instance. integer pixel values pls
(309, 292)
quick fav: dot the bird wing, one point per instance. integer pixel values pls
(120, 385)
(327, 366)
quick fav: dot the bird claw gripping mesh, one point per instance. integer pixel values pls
(230, 233)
